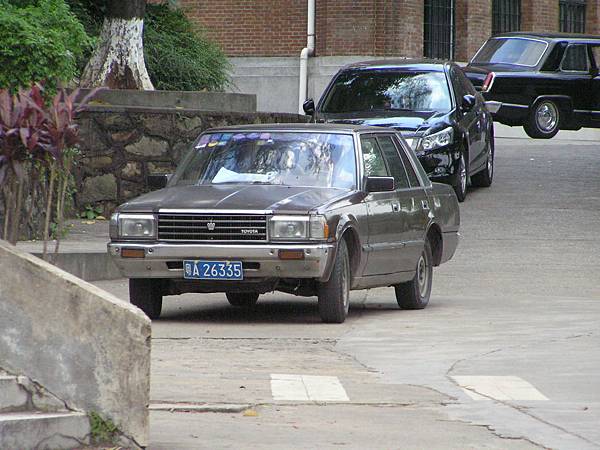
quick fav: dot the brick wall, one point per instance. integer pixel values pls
(356, 27)
(539, 15)
(473, 26)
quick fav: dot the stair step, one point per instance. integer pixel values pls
(12, 396)
(35, 430)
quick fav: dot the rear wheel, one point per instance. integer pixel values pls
(543, 120)
(414, 294)
(242, 299)
(334, 295)
(485, 177)
(147, 294)
(460, 178)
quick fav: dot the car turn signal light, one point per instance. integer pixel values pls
(133, 253)
(487, 83)
(291, 254)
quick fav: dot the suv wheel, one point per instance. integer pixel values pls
(147, 294)
(242, 299)
(334, 295)
(414, 294)
(543, 120)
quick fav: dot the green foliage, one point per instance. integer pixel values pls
(90, 212)
(39, 40)
(102, 430)
(178, 56)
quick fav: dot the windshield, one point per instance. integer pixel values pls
(522, 52)
(384, 90)
(291, 159)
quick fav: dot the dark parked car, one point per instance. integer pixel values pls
(304, 209)
(544, 82)
(432, 103)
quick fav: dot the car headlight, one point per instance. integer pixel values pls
(298, 227)
(437, 140)
(133, 226)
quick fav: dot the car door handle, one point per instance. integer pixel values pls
(425, 204)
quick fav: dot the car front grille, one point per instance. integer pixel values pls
(212, 227)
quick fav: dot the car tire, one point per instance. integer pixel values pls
(486, 176)
(334, 295)
(543, 121)
(414, 294)
(147, 294)
(461, 177)
(242, 299)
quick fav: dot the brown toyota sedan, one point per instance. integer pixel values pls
(307, 209)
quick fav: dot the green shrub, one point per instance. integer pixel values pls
(178, 56)
(39, 40)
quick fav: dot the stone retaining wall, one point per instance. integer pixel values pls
(121, 146)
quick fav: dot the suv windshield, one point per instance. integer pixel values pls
(292, 159)
(518, 51)
(387, 90)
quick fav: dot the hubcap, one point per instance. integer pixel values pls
(463, 174)
(546, 116)
(422, 275)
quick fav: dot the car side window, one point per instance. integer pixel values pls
(372, 158)
(466, 84)
(412, 176)
(575, 59)
(390, 153)
(456, 85)
(596, 54)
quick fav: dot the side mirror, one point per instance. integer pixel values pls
(309, 107)
(468, 102)
(158, 181)
(380, 184)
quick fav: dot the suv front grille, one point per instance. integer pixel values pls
(212, 227)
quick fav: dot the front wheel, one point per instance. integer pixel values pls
(414, 294)
(485, 177)
(242, 299)
(543, 120)
(147, 294)
(334, 295)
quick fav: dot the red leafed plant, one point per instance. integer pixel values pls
(37, 148)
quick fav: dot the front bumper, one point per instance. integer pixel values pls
(441, 164)
(165, 260)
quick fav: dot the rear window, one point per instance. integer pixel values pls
(388, 90)
(516, 51)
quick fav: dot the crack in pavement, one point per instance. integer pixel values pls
(506, 403)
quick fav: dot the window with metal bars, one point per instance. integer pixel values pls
(572, 16)
(438, 21)
(506, 16)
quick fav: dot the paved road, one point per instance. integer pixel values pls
(506, 356)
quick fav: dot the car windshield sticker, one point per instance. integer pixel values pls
(203, 141)
(214, 140)
(225, 138)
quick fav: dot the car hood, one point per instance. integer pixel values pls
(406, 121)
(280, 199)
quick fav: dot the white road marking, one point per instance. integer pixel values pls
(498, 388)
(288, 387)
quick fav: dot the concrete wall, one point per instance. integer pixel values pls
(82, 344)
(274, 80)
(205, 101)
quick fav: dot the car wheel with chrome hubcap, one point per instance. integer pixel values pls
(414, 294)
(544, 120)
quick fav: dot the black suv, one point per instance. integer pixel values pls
(439, 112)
(543, 82)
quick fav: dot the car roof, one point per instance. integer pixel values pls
(430, 65)
(550, 36)
(302, 127)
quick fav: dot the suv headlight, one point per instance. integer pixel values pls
(298, 227)
(436, 140)
(133, 226)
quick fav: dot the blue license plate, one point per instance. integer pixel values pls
(213, 270)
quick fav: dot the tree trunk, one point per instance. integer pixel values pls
(118, 60)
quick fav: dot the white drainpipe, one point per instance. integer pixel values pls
(306, 52)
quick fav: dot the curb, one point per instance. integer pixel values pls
(89, 266)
